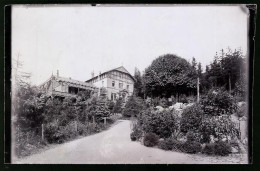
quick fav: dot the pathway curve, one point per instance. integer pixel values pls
(114, 146)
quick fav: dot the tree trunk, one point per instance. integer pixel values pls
(93, 119)
(198, 90)
(229, 81)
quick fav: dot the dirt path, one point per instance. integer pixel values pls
(115, 147)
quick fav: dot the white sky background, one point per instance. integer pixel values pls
(79, 39)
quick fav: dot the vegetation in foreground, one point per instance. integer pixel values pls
(205, 127)
(42, 120)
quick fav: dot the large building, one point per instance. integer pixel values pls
(117, 82)
(57, 86)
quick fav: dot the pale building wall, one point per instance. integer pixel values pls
(107, 83)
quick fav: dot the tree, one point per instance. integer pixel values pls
(138, 85)
(118, 105)
(199, 70)
(169, 75)
(133, 106)
(194, 63)
(226, 70)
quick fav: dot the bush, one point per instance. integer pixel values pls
(242, 110)
(191, 99)
(191, 147)
(183, 98)
(191, 118)
(163, 102)
(136, 135)
(218, 126)
(218, 103)
(192, 136)
(222, 148)
(209, 149)
(162, 123)
(151, 139)
(133, 107)
(178, 145)
(166, 144)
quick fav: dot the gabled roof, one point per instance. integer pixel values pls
(68, 80)
(120, 69)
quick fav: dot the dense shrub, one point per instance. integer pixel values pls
(136, 135)
(167, 144)
(177, 145)
(133, 107)
(163, 102)
(209, 149)
(217, 103)
(191, 118)
(191, 147)
(151, 139)
(222, 148)
(242, 110)
(118, 106)
(192, 136)
(219, 148)
(162, 123)
(218, 126)
(191, 99)
(183, 98)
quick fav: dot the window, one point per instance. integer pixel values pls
(120, 85)
(113, 83)
(113, 96)
(127, 87)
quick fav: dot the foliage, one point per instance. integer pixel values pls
(27, 142)
(191, 147)
(222, 148)
(169, 74)
(167, 144)
(209, 149)
(226, 68)
(218, 102)
(191, 118)
(183, 98)
(110, 105)
(218, 126)
(133, 106)
(118, 106)
(192, 136)
(151, 139)
(242, 110)
(178, 145)
(136, 134)
(219, 148)
(161, 123)
(138, 85)
(164, 102)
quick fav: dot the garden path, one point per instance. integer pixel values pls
(114, 146)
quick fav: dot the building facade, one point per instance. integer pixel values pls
(118, 82)
(57, 86)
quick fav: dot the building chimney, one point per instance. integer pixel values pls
(57, 73)
(92, 74)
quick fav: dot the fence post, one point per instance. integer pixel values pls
(105, 120)
(76, 126)
(43, 132)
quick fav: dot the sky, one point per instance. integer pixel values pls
(79, 39)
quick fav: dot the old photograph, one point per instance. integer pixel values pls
(130, 84)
